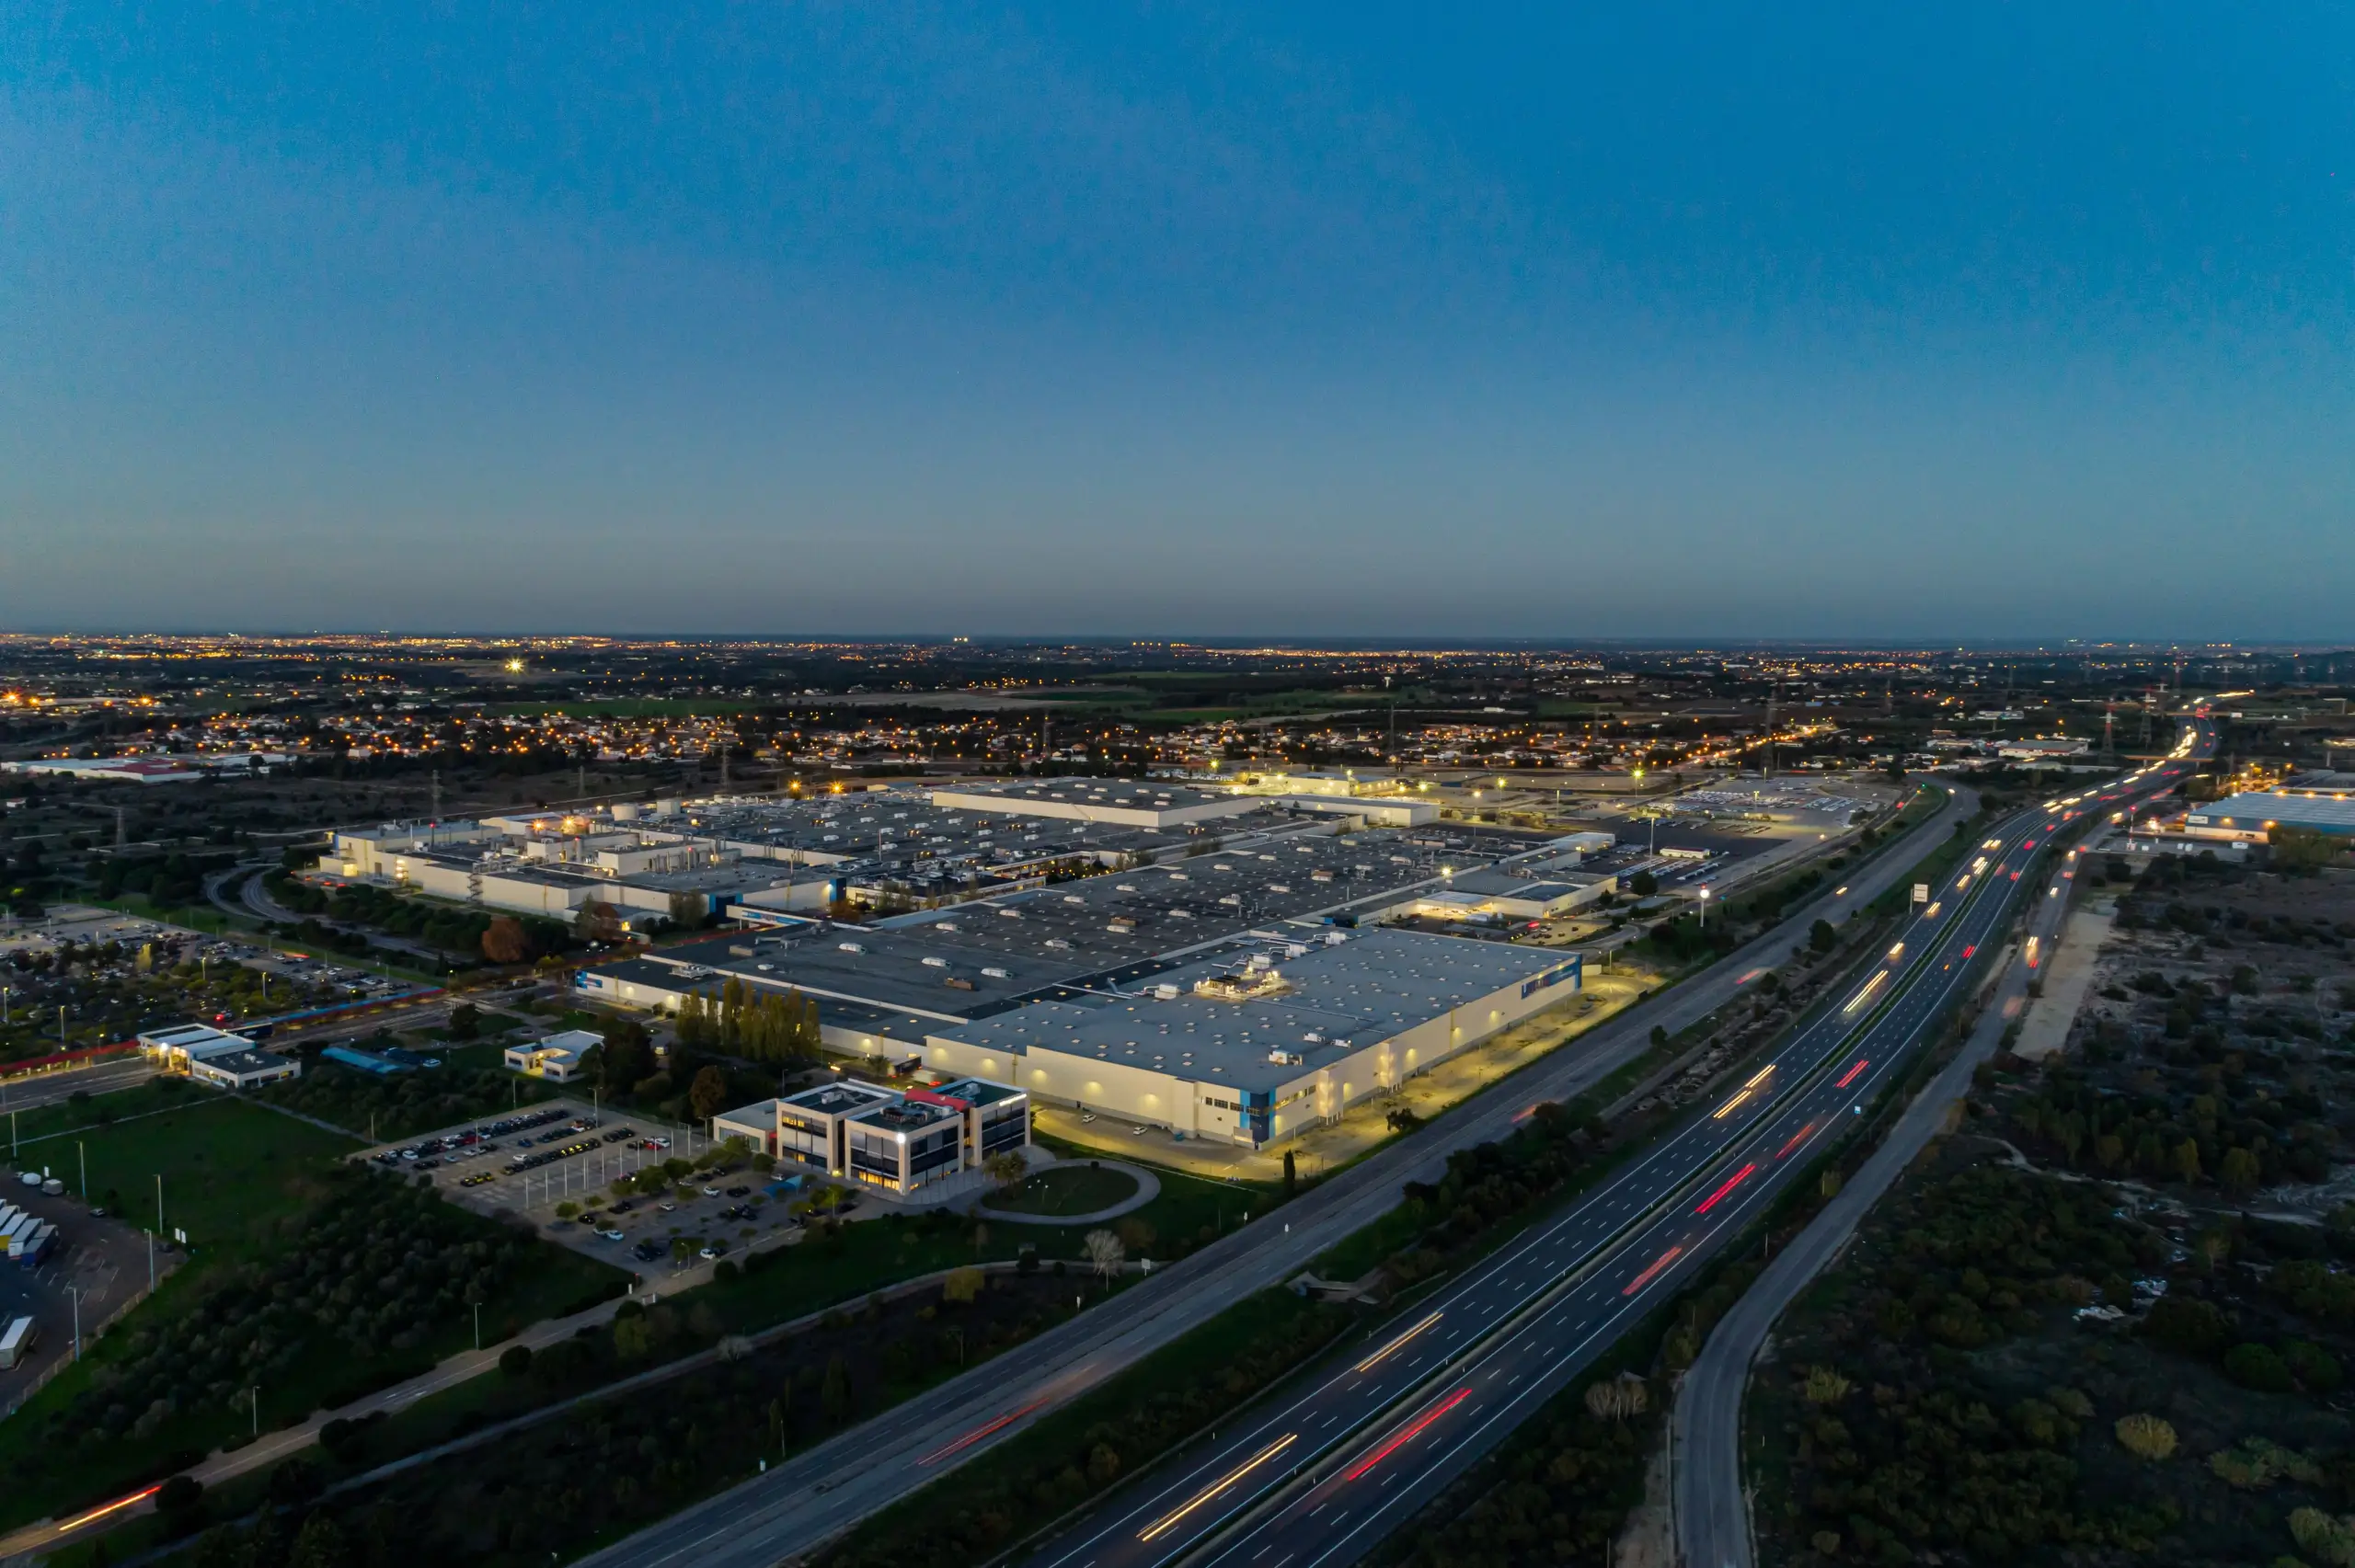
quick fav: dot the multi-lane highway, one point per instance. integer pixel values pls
(826, 1488)
(1329, 1469)
(1711, 1507)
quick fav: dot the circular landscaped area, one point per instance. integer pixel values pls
(1067, 1189)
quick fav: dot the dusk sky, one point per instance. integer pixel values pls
(1694, 322)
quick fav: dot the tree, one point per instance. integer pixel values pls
(707, 1095)
(1106, 1254)
(1292, 1176)
(515, 1360)
(628, 1056)
(1006, 1169)
(597, 921)
(2187, 1160)
(504, 941)
(1821, 937)
(2300, 852)
(2238, 1171)
(963, 1286)
(689, 908)
(1643, 885)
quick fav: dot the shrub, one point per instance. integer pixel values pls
(2145, 1436)
(2316, 1369)
(1825, 1386)
(2188, 1327)
(2257, 1367)
(515, 1360)
(2318, 1534)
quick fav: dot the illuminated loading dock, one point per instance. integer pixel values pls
(1260, 1043)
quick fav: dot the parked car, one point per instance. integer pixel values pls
(739, 1192)
(610, 1235)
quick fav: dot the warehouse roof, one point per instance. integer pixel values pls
(1333, 1000)
(2328, 813)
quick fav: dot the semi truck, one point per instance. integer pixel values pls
(16, 1342)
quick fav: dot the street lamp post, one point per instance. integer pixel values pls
(1704, 909)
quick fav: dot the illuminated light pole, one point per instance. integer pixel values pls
(1704, 909)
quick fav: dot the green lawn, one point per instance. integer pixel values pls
(231, 1172)
(1068, 1189)
(871, 1254)
(470, 1085)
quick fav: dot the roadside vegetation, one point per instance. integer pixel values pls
(611, 1465)
(2012, 1366)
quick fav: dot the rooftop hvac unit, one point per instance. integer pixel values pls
(851, 946)
(1295, 950)
(1074, 898)
(1286, 1059)
(1314, 1038)
(1057, 941)
(1164, 993)
(1335, 938)
(936, 963)
(1011, 914)
(994, 972)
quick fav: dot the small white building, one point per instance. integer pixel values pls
(207, 1055)
(559, 1057)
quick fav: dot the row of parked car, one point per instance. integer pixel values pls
(426, 1152)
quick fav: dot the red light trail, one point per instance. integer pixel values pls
(1406, 1434)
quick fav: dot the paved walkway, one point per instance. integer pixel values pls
(1148, 1188)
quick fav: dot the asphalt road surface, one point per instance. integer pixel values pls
(1319, 1479)
(826, 1488)
(1711, 1509)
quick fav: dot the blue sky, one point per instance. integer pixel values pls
(1549, 321)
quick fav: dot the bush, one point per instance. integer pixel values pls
(2316, 1369)
(515, 1360)
(179, 1494)
(2257, 1367)
(2319, 1535)
(2145, 1436)
(2189, 1327)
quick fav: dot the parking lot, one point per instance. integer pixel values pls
(101, 1260)
(556, 1166)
